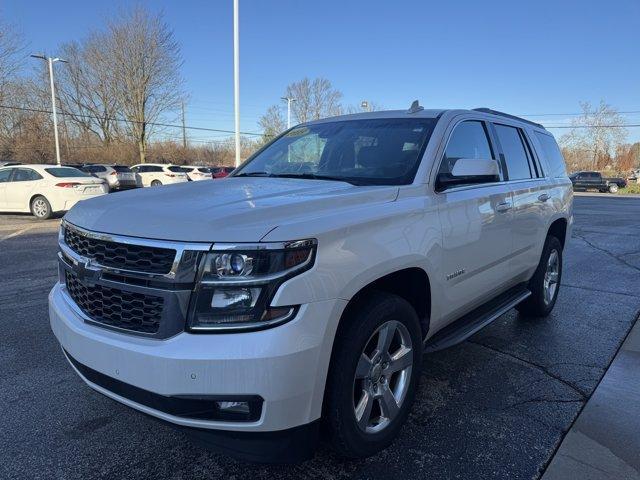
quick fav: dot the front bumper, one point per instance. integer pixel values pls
(286, 366)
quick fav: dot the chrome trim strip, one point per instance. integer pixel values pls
(261, 325)
(179, 247)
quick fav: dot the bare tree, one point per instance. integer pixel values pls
(145, 63)
(86, 93)
(314, 99)
(597, 132)
(11, 56)
(272, 122)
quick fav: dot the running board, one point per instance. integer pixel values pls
(477, 319)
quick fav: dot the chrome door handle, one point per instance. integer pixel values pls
(543, 197)
(503, 207)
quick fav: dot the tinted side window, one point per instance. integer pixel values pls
(25, 175)
(468, 140)
(5, 174)
(154, 169)
(553, 155)
(514, 151)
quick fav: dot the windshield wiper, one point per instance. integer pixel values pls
(254, 174)
(313, 176)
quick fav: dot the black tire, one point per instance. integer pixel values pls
(156, 183)
(371, 313)
(613, 188)
(41, 208)
(538, 305)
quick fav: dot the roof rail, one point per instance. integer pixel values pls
(502, 114)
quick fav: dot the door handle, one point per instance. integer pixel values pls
(503, 207)
(543, 197)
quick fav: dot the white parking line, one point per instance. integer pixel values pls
(19, 232)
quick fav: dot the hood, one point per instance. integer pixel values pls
(227, 210)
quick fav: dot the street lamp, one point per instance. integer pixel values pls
(236, 78)
(288, 100)
(50, 61)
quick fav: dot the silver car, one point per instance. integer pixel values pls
(118, 177)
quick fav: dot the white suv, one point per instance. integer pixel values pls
(156, 174)
(306, 287)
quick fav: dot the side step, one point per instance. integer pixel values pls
(473, 321)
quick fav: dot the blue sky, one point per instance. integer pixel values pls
(525, 58)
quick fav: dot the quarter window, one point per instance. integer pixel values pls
(514, 152)
(468, 140)
(552, 152)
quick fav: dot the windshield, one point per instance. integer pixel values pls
(65, 172)
(366, 152)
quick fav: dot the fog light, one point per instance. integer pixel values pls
(234, 407)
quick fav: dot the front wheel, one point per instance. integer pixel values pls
(374, 373)
(41, 208)
(545, 283)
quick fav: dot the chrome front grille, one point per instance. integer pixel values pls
(114, 307)
(134, 285)
(121, 256)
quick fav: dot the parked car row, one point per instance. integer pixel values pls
(44, 190)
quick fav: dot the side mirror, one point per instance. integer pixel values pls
(470, 171)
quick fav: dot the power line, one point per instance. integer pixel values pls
(114, 119)
(568, 114)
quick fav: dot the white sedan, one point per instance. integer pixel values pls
(196, 173)
(45, 189)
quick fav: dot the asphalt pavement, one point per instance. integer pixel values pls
(496, 406)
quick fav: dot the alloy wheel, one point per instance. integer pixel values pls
(40, 208)
(382, 377)
(551, 276)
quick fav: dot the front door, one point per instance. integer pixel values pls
(475, 221)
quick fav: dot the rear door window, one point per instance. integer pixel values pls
(516, 158)
(5, 174)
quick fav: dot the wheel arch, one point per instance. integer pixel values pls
(558, 229)
(411, 283)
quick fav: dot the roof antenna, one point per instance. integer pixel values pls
(415, 107)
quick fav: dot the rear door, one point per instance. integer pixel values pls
(475, 221)
(21, 188)
(531, 195)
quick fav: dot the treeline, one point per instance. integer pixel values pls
(118, 91)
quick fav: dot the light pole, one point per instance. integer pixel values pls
(236, 77)
(288, 100)
(50, 61)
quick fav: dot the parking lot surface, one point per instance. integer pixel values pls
(496, 406)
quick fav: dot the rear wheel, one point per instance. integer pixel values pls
(545, 283)
(613, 188)
(156, 183)
(374, 373)
(41, 208)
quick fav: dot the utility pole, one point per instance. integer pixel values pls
(184, 130)
(236, 77)
(288, 100)
(50, 61)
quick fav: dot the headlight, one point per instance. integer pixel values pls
(236, 284)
